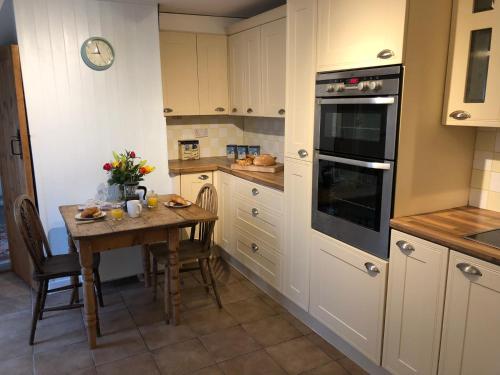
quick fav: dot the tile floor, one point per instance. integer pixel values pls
(251, 335)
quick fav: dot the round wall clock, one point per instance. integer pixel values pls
(97, 53)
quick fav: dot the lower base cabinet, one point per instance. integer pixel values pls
(347, 293)
(471, 329)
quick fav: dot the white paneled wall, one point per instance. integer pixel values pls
(77, 116)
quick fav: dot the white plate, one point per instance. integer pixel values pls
(175, 205)
(78, 216)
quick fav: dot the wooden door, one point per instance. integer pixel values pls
(471, 328)
(236, 73)
(273, 68)
(346, 296)
(298, 182)
(212, 74)
(300, 78)
(360, 34)
(179, 67)
(15, 155)
(252, 90)
(417, 277)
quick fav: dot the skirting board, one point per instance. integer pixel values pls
(306, 318)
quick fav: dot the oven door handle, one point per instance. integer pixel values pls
(376, 100)
(357, 163)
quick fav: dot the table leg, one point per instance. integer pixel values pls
(173, 264)
(146, 266)
(74, 279)
(89, 316)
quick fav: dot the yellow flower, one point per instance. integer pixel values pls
(148, 169)
(115, 164)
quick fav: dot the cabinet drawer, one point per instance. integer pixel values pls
(259, 222)
(258, 257)
(191, 184)
(259, 194)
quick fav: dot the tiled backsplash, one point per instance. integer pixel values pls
(223, 130)
(485, 179)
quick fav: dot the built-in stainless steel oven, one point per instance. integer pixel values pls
(355, 155)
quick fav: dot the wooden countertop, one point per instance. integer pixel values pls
(448, 227)
(273, 180)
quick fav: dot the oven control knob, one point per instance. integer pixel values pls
(330, 88)
(375, 85)
(363, 86)
(339, 87)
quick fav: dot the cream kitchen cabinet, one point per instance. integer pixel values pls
(237, 64)
(273, 37)
(225, 223)
(298, 182)
(191, 184)
(348, 293)
(300, 78)
(473, 83)
(471, 330)
(179, 68)
(415, 302)
(359, 34)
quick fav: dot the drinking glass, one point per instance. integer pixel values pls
(152, 199)
(117, 211)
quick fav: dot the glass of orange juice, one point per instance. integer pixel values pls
(117, 211)
(152, 199)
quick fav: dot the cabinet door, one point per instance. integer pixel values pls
(300, 78)
(473, 90)
(226, 212)
(191, 184)
(252, 89)
(359, 34)
(346, 296)
(471, 328)
(212, 74)
(417, 277)
(298, 182)
(273, 68)
(236, 73)
(179, 73)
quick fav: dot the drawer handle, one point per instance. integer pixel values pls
(255, 212)
(385, 54)
(370, 267)
(255, 248)
(469, 269)
(234, 110)
(302, 153)
(460, 115)
(255, 192)
(405, 246)
(249, 110)
(281, 112)
(203, 177)
(219, 109)
(168, 110)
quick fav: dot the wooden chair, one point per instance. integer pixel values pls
(196, 250)
(47, 266)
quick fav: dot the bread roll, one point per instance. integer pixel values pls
(245, 162)
(177, 199)
(264, 160)
(90, 212)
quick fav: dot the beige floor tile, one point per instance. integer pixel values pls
(272, 303)
(140, 364)
(64, 360)
(194, 298)
(271, 331)
(138, 296)
(118, 346)
(229, 343)
(236, 292)
(54, 334)
(305, 330)
(112, 302)
(12, 304)
(208, 320)
(115, 321)
(351, 367)
(160, 334)
(14, 335)
(298, 355)
(332, 351)
(87, 371)
(150, 313)
(250, 364)
(182, 358)
(332, 368)
(17, 366)
(212, 370)
(249, 310)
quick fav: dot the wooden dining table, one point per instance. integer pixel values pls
(160, 224)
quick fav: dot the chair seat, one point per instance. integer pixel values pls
(188, 251)
(62, 266)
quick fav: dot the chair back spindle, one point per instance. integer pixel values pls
(206, 199)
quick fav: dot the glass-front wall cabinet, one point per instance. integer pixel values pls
(473, 85)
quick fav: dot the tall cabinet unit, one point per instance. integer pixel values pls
(473, 92)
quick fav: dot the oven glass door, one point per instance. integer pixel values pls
(363, 127)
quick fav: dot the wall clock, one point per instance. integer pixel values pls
(97, 53)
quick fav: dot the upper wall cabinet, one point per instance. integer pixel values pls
(359, 34)
(473, 88)
(194, 72)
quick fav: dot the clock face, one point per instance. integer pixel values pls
(97, 53)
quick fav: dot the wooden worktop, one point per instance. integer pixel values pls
(448, 227)
(273, 180)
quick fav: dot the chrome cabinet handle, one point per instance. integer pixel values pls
(203, 177)
(385, 54)
(281, 112)
(249, 110)
(220, 109)
(469, 269)
(168, 110)
(370, 267)
(255, 212)
(460, 115)
(302, 153)
(405, 246)
(255, 192)
(255, 248)
(234, 110)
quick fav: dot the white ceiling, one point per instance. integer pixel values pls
(221, 8)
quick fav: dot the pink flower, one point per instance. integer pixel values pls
(107, 167)
(132, 154)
